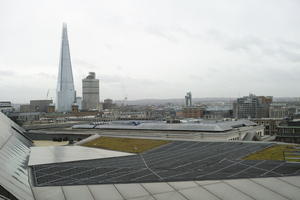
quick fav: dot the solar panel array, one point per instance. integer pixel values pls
(176, 161)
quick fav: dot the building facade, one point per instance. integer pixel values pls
(289, 131)
(191, 112)
(6, 107)
(218, 112)
(270, 124)
(252, 106)
(25, 108)
(188, 99)
(90, 92)
(281, 110)
(108, 104)
(65, 92)
(39, 105)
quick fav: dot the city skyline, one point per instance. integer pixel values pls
(151, 50)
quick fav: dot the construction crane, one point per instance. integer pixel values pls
(47, 93)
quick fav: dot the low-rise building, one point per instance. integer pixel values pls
(270, 124)
(6, 107)
(133, 115)
(108, 104)
(201, 130)
(281, 110)
(25, 108)
(289, 131)
(39, 105)
(25, 117)
(218, 112)
(191, 112)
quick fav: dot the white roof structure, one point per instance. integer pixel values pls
(202, 126)
(59, 154)
(283, 188)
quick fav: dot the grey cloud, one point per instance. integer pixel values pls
(245, 43)
(290, 55)
(46, 75)
(108, 46)
(5, 73)
(119, 67)
(116, 79)
(290, 44)
(256, 46)
(160, 32)
(188, 33)
(110, 79)
(79, 62)
(194, 77)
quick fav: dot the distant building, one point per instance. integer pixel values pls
(252, 106)
(289, 131)
(191, 112)
(25, 108)
(160, 113)
(90, 92)
(204, 130)
(25, 117)
(66, 93)
(270, 124)
(218, 112)
(281, 110)
(108, 104)
(188, 99)
(133, 115)
(40, 105)
(75, 108)
(79, 102)
(51, 108)
(6, 107)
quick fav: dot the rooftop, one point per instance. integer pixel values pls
(176, 161)
(176, 170)
(205, 126)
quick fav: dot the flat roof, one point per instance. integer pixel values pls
(203, 126)
(176, 161)
(60, 154)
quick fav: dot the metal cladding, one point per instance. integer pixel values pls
(66, 93)
(14, 153)
(90, 92)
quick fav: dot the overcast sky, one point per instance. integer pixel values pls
(152, 49)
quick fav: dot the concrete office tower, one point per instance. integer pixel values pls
(188, 99)
(252, 106)
(66, 94)
(90, 92)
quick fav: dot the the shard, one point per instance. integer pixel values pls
(65, 92)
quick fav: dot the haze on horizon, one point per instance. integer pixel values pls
(152, 49)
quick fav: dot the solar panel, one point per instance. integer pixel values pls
(176, 161)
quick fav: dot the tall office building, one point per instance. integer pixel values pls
(188, 99)
(90, 92)
(66, 93)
